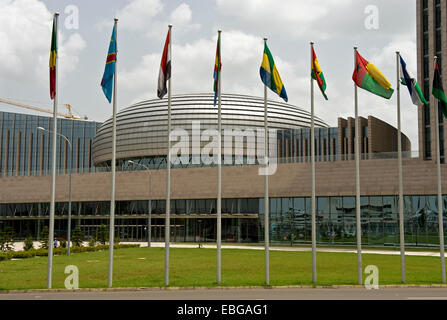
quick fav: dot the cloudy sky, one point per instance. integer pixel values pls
(377, 27)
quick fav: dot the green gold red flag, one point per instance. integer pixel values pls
(53, 55)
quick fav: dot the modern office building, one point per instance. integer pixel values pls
(141, 168)
(431, 42)
(25, 150)
(24, 200)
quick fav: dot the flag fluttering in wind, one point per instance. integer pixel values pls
(367, 76)
(165, 68)
(217, 67)
(317, 74)
(438, 90)
(53, 55)
(413, 87)
(270, 76)
(109, 72)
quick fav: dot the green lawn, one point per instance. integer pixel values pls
(144, 267)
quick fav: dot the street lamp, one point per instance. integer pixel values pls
(69, 188)
(149, 222)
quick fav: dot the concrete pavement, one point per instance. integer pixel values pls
(358, 293)
(19, 246)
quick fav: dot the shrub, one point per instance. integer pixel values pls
(59, 251)
(102, 234)
(102, 247)
(22, 254)
(4, 256)
(28, 244)
(78, 237)
(41, 252)
(44, 238)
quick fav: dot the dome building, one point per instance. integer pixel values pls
(142, 128)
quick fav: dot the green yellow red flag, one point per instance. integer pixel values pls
(53, 56)
(317, 74)
(367, 76)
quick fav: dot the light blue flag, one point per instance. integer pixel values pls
(109, 72)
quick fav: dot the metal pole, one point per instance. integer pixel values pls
(312, 143)
(219, 171)
(168, 175)
(357, 183)
(440, 207)
(149, 219)
(266, 187)
(53, 174)
(401, 188)
(112, 196)
(69, 202)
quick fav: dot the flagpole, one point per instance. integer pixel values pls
(53, 172)
(219, 169)
(112, 195)
(440, 207)
(357, 182)
(168, 171)
(401, 188)
(266, 187)
(312, 143)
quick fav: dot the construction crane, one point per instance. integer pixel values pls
(68, 115)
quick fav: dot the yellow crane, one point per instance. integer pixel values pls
(68, 115)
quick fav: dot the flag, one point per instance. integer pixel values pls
(53, 56)
(165, 68)
(317, 74)
(438, 90)
(270, 76)
(217, 67)
(109, 72)
(367, 76)
(413, 87)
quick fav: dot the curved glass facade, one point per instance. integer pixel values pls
(142, 127)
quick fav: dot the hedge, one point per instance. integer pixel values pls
(59, 251)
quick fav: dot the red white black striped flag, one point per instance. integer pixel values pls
(165, 68)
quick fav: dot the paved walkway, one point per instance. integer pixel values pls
(19, 246)
(236, 294)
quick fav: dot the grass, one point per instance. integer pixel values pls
(144, 267)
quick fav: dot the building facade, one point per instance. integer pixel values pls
(431, 41)
(25, 150)
(24, 201)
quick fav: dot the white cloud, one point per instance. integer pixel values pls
(316, 19)
(181, 19)
(182, 14)
(291, 16)
(138, 14)
(193, 65)
(25, 35)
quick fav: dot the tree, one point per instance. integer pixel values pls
(44, 237)
(78, 237)
(28, 244)
(7, 239)
(102, 234)
(92, 242)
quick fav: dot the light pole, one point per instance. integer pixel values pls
(149, 222)
(69, 188)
